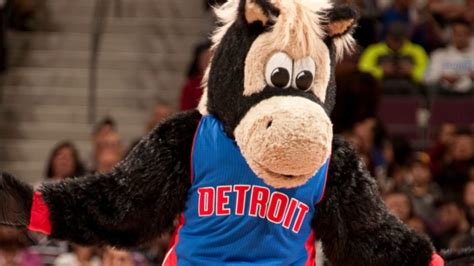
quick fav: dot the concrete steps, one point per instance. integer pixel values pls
(71, 114)
(78, 78)
(167, 62)
(111, 42)
(132, 8)
(144, 53)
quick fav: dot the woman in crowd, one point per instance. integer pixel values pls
(64, 162)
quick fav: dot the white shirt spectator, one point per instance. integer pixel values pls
(70, 259)
(451, 61)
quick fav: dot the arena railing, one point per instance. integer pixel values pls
(99, 24)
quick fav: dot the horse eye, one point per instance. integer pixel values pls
(279, 70)
(304, 80)
(305, 69)
(280, 77)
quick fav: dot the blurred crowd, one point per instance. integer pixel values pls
(419, 48)
(416, 46)
(411, 47)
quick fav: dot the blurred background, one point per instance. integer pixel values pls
(81, 81)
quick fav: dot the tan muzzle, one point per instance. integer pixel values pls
(285, 140)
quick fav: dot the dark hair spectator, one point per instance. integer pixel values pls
(103, 127)
(421, 189)
(439, 149)
(64, 162)
(399, 204)
(453, 221)
(457, 164)
(466, 239)
(192, 90)
(399, 11)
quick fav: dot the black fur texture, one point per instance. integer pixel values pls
(342, 12)
(353, 223)
(268, 9)
(135, 203)
(463, 256)
(16, 199)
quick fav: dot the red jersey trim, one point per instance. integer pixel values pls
(39, 219)
(171, 259)
(310, 248)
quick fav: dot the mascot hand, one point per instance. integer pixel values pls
(436, 260)
(16, 199)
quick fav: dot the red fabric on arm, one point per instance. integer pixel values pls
(436, 260)
(39, 219)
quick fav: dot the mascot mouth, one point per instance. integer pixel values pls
(280, 176)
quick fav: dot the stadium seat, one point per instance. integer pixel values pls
(399, 114)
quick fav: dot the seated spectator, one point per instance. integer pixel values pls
(161, 111)
(103, 128)
(422, 191)
(456, 167)
(399, 204)
(400, 167)
(155, 251)
(400, 11)
(452, 68)
(439, 150)
(14, 249)
(80, 256)
(466, 239)
(400, 63)
(192, 90)
(109, 143)
(106, 161)
(64, 162)
(115, 257)
(418, 225)
(453, 221)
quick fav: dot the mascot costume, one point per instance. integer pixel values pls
(255, 175)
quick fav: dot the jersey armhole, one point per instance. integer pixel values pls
(328, 164)
(191, 172)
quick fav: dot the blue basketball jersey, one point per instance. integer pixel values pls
(233, 218)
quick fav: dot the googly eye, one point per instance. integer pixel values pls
(304, 74)
(279, 70)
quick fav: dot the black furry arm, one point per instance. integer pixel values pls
(353, 223)
(138, 200)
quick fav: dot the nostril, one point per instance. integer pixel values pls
(269, 124)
